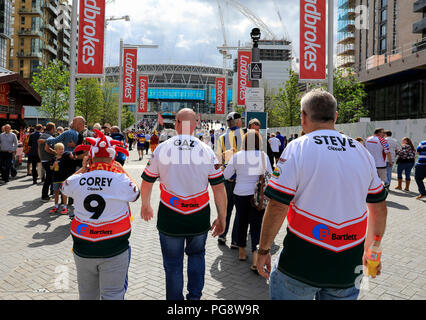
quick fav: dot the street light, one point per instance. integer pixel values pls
(125, 18)
(255, 52)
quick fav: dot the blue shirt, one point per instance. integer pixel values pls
(422, 150)
(65, 138)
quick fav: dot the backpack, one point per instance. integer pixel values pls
(259, 200)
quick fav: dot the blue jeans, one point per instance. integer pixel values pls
(420, 174)
(407, 167)
(283, 287)
(173, 249)
(229, 186)
(388, 174)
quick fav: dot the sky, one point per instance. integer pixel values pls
(189, 31)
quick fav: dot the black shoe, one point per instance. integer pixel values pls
(221, 241)
(45, 199)
(34, 182)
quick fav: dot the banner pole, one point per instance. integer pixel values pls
(330, 46)
(120, 85)
(71, 110)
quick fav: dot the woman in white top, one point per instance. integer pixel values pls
(248, 166)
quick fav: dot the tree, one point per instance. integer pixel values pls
(350, 94)
(284, 108)
(89, 100)
(52, 84)
(109, 112)
(128, 119)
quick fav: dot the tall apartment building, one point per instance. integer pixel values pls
(346, 34)
(5, 31)
(390, 58)
(64, 34)
(35, 38)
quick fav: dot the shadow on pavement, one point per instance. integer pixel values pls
(396, 205)
(236, 277)
(43, 218)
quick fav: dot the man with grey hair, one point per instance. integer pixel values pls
(8, 145)
(324, 182)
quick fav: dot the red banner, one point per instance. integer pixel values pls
(244, 60)
(4, 94)
(91, 31)
(143, 94)
(130, 59)
(220, 96)
(312, 39)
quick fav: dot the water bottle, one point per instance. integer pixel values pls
(374, 254)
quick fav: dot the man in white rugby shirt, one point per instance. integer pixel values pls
(324, 182)
(185, 166)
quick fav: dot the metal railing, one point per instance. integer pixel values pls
(404, 51)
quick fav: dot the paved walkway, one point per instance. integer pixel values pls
(36, 260)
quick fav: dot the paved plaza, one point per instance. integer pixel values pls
(36, 261)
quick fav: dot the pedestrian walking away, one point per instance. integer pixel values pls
(323, 184)
(379, 149)
(248, 164)
(227, 145)
(393, 146)
(420, 171)
(185, 167)
(406, 156)
(8, 146)
(101, 228)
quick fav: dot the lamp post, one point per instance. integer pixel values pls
(255, 52)
(120, 88)
(125, 18)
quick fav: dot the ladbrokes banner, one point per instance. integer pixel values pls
(244, 60)
(143, 94)
(220, 96)
(91, 38)
(130, 58)
(312, 39)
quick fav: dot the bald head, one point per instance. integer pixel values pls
(186, 121)
(78, 123)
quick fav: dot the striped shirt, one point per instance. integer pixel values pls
(422, 150)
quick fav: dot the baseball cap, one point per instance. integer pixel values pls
(233, 116)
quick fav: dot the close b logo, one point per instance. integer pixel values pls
(320, 232)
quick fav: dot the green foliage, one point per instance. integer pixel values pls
(51, 83)
(109, 112)
(89, 100)
(284, 108)
(127, 118)
(350, 94)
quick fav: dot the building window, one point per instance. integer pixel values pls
(21, 63)
(22, 20)
(395, 23)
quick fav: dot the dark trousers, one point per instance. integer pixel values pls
(34, 160)
(47, 180)
(419, 175)
(146, 146)
(248, 215)
(229, 186)
(6, 164)
(130, 141)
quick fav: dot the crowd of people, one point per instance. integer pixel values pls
(319, 181)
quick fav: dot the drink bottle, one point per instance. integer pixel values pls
(374, 254)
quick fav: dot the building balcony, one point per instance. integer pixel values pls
(50, 28)
(29, 54)
(344, 38)
(345, 4)
(419, 6)
(30, 32)
(51, 49)
(346, 26)
(345, 62)
(32, 11)
(67, 33)
(419, 26)
(348, 50)
(48, 6)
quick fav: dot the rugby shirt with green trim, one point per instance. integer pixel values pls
(326, 178)
(185, 166)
